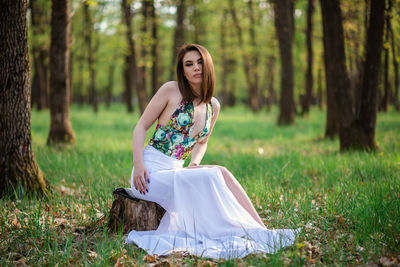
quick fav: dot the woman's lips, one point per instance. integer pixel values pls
(197, 75)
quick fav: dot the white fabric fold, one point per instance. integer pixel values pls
(202, 215)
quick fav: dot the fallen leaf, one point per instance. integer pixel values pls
(92, 254)
(150, 258)
(388, 261)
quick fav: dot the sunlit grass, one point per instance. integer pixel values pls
(348, 205)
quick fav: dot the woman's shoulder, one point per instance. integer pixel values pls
(215, 105)
(169, 89)
(170, 86)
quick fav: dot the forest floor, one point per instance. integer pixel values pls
(347, 204)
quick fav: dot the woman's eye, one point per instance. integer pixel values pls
(188, 64)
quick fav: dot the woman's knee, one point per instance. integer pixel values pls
(226, 174)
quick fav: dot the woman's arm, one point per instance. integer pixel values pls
(200, 148)
(152, 112)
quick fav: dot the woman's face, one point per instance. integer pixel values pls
(193, 67)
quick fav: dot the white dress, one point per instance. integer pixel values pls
(202, 215)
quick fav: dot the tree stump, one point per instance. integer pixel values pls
(128, 213)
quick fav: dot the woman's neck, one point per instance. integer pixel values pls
(196, 88)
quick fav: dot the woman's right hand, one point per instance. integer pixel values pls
(141, 178)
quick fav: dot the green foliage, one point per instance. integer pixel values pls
(204, 17)
(347, 205)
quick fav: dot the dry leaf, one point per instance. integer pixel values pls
(388, 261)
(92, 254)
(150, 258)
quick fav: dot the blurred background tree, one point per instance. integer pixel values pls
(123, 50)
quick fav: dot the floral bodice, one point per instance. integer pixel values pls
(175, 138)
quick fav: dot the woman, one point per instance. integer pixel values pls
(207, 211)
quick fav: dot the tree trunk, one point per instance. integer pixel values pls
(337, 80)
(251, 82)
(384, 105)
(130, 73)
(78, 95)
(270, 81)
(110, 84)
(91, 62)
(128, 213)
(144, 44)
(224, 74)
(284, 28)
(60, 125)
(309, 75)
(39, 22)
(331, 126)
(154, 49)
(228, 64)
(356, 131)
(128, 79)
(17, 161)
(396, 99)
(40, 82)
(366, 118)
(179, 37)
(320, 93)
(199, 30)
(255, 95)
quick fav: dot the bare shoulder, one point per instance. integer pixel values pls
(170, 87)
(215, 104)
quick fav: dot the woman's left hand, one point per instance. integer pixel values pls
(193, 164)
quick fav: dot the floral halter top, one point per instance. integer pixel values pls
(175, 138)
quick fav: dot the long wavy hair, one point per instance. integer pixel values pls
(208, 75)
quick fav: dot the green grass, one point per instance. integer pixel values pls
(347, 204)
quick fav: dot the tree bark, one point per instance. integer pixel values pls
(331, 126)
(129, 80)
(154, 49)
(17, 161)
(129, 213)
(396, 99)
(320, 93)
(224, 61)
(309, 74)
(110, 84)
(78, 94)
(132, 72)
(255, 95)
(284, 28)
(60, 124)
(384, 105)
(144, 44)
(270, 81)
(179, 37)
(39, 22)
(356, 130)
(199, 31)
(337, 80)
(90, 56)
(249, 73)
(366, 118)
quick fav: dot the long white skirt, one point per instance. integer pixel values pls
(202, 215)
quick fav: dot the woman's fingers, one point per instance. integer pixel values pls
(140, 184)
(143, 184)
(136, 184)
(146, 176)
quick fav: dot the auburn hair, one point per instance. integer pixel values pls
(208, 76)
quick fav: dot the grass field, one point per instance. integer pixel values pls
(348, 205)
